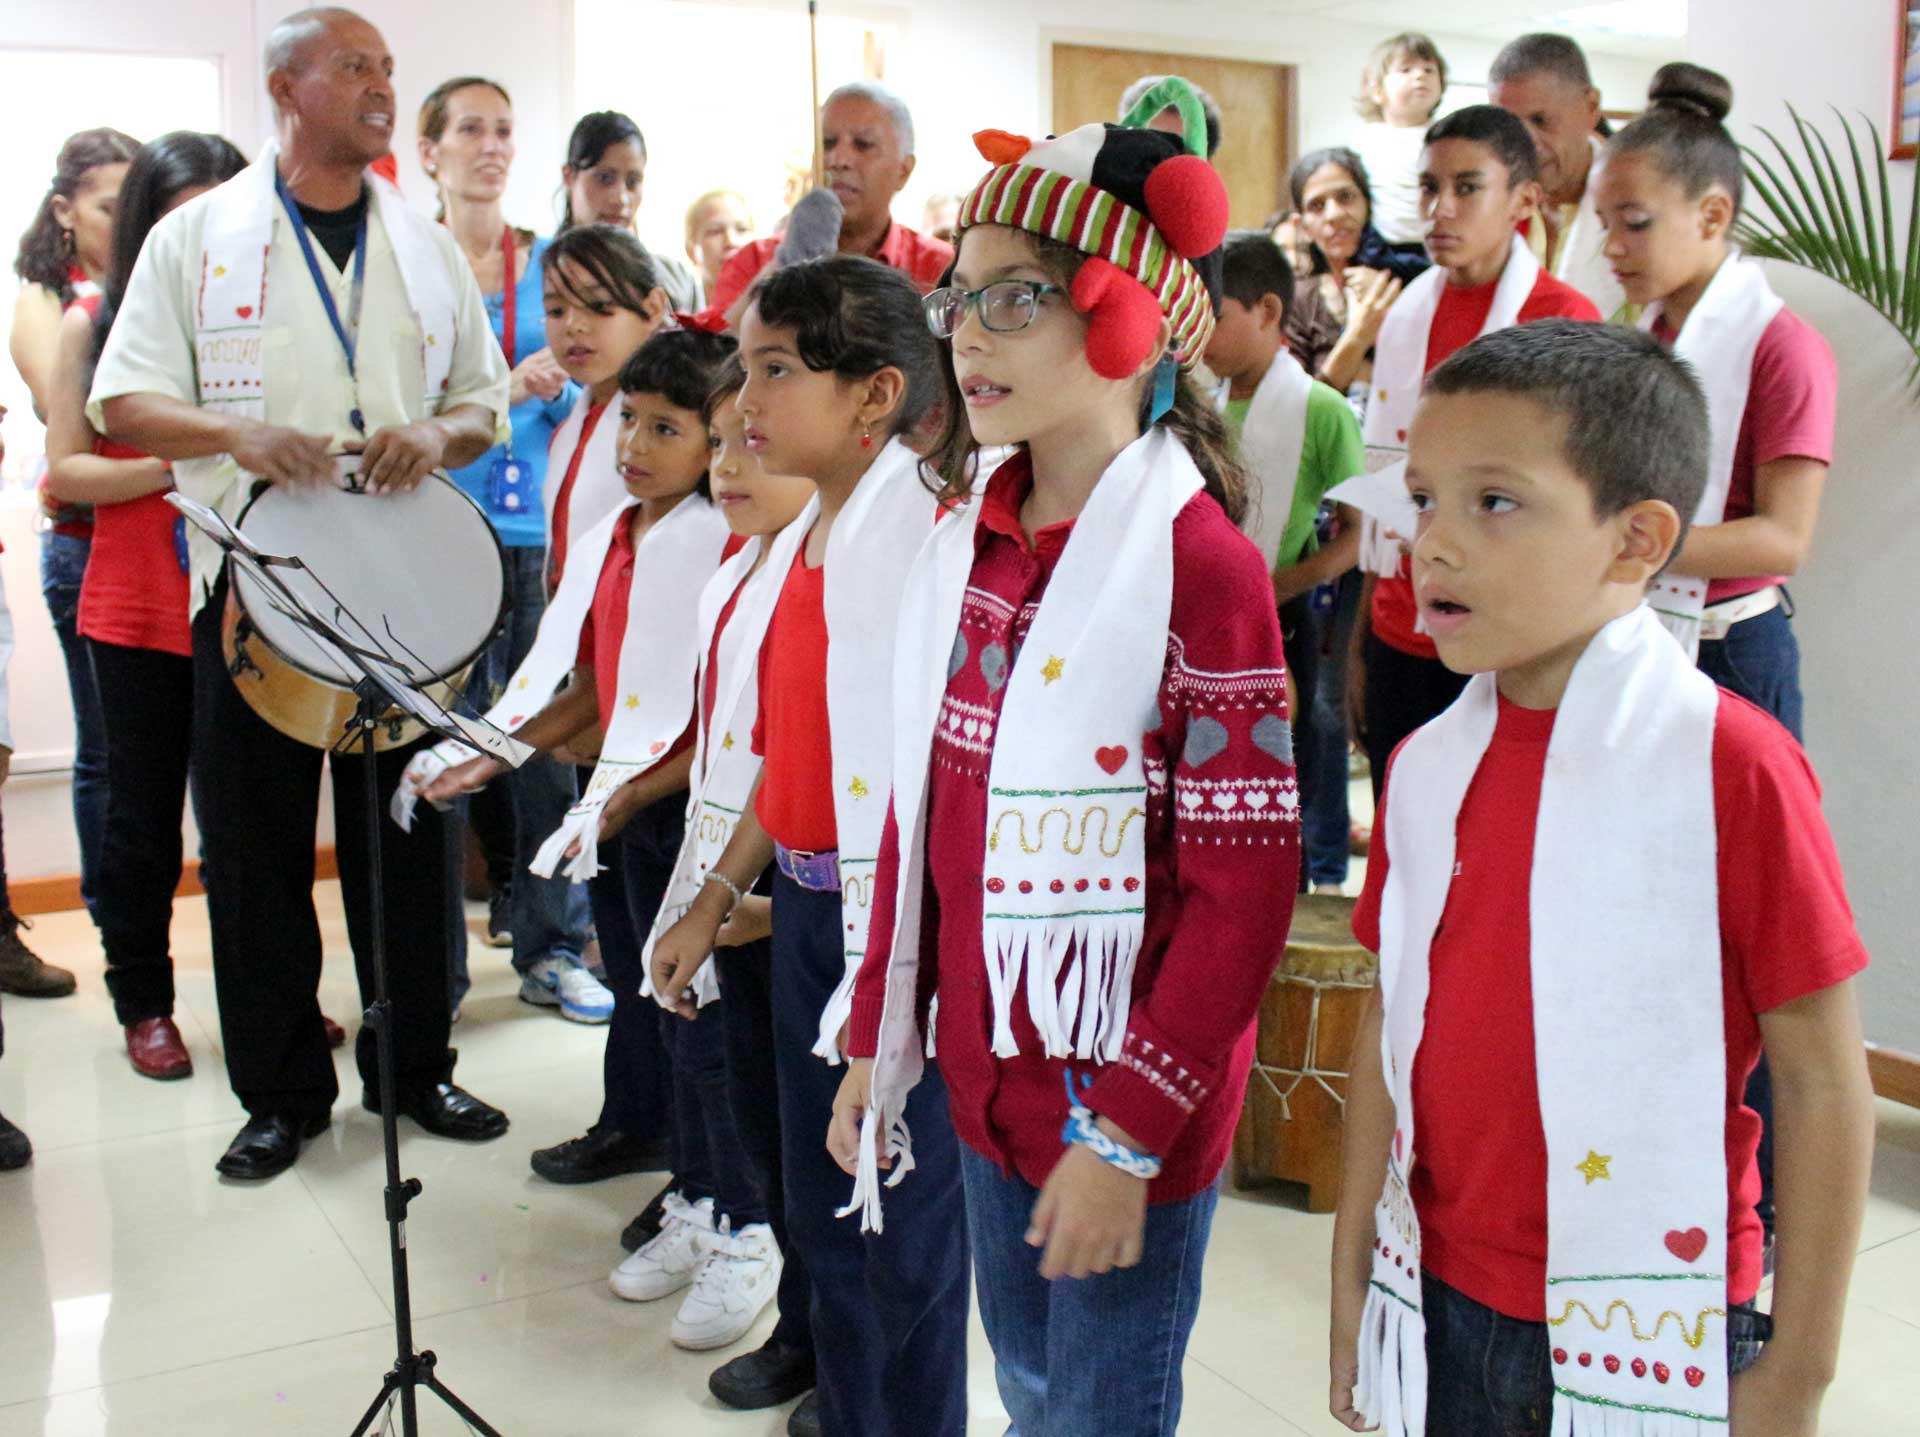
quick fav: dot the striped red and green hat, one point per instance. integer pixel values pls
(1140, 199)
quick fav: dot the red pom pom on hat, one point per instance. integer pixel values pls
(1187, 201)
(1123, 318)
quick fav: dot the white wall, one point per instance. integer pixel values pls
(1855, 599)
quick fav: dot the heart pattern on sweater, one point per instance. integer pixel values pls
(1206, 740)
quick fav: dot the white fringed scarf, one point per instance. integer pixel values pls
(597, 487)
(1628, 1039)
(1271, 443)
(725, 767)
(1718, 339)
(659, 664)
(869, 550)
(1400, 370)
(229, 313)
(1064, 898)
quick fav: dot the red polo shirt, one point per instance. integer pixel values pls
(1219, 881)
(920, 258)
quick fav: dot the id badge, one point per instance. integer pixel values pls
(508, 482)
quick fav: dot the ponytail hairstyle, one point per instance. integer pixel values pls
(1684, 129)
(432, 122)
(162, 170)
(46, 256)
(1192, 420)
(853, 317)
(613, 257)
(592, 137)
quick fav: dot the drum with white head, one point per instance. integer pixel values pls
(422, 569)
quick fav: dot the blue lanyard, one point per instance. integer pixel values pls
(348, 338)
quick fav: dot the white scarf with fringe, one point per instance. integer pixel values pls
(1400, 370)
(1628, 1039)
(1066, 781)
(229, 314)
(1718, 338)
(869, 550)
(725, 767)
(659, 663)
(597, 487)
(1271, 443)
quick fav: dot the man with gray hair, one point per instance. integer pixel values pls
(1169, 118)
(298, 313)
(866, 135)
(1543, 80)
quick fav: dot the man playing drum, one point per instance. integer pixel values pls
(296, 313)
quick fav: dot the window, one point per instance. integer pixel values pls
(46, 95)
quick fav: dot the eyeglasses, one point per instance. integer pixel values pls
(1005, 307)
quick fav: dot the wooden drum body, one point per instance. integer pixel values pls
(422, 569)
(1295, 1113)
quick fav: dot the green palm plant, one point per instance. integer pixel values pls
(1837, 220)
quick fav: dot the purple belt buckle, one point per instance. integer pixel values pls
(816, 872)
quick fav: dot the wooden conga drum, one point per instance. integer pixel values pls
(1295, 1110)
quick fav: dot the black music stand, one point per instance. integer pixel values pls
(388, 683)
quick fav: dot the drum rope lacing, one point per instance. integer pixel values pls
(1268, 1071)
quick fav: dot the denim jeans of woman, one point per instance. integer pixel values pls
(63, 563)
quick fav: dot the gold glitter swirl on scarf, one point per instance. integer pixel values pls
(1092, 811)
(1692, 1338)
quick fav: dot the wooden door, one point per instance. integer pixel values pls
(1256, 105)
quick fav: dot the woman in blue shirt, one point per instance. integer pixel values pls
(466, 148)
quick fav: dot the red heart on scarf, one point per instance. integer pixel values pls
(1695, 1377)
(1688, 1245)
(1402, 435)
(1111, 758)
(245, 311)
(656, 748)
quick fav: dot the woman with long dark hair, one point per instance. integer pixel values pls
(466, 146)
(601, 183)
(132, 618)
(63, 256)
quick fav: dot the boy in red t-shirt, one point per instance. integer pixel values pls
(1478, 180)
(1599, 888)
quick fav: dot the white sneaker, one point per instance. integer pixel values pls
(669, 1262)
(737, 1279)
(561, 983)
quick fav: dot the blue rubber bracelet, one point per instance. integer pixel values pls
(1080, 1131)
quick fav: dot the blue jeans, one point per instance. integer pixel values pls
(63, 563)
(1097, 1357)
(889, 1308)
(547, 916)
(1492, 1375)
(1760, 661)
(1323, 808)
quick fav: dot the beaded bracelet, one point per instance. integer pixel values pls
(1081, 1131)
(716, 876)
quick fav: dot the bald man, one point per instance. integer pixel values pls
(1543, 79)
(300, 311)
(867, 134)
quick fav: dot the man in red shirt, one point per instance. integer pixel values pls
(866, 135)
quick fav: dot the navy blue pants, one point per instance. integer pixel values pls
(753, 1086)
(636, 867)
(889, 1308)
(1760, 661)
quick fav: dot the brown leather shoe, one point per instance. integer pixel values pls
(336, 1035)
(157, 1050)
(21, 971)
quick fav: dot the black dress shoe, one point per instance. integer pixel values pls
(805, 1421)
(601, 1153)
(766, 1377)
(446, 1111)
(646, 1227)
(268, 1145)
(15, 1150)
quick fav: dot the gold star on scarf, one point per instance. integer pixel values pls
(523, 683)
(858, 788)
(1595, 1167)
(219, 270)
(1053, 668)
(727, 742)
(633, 701)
